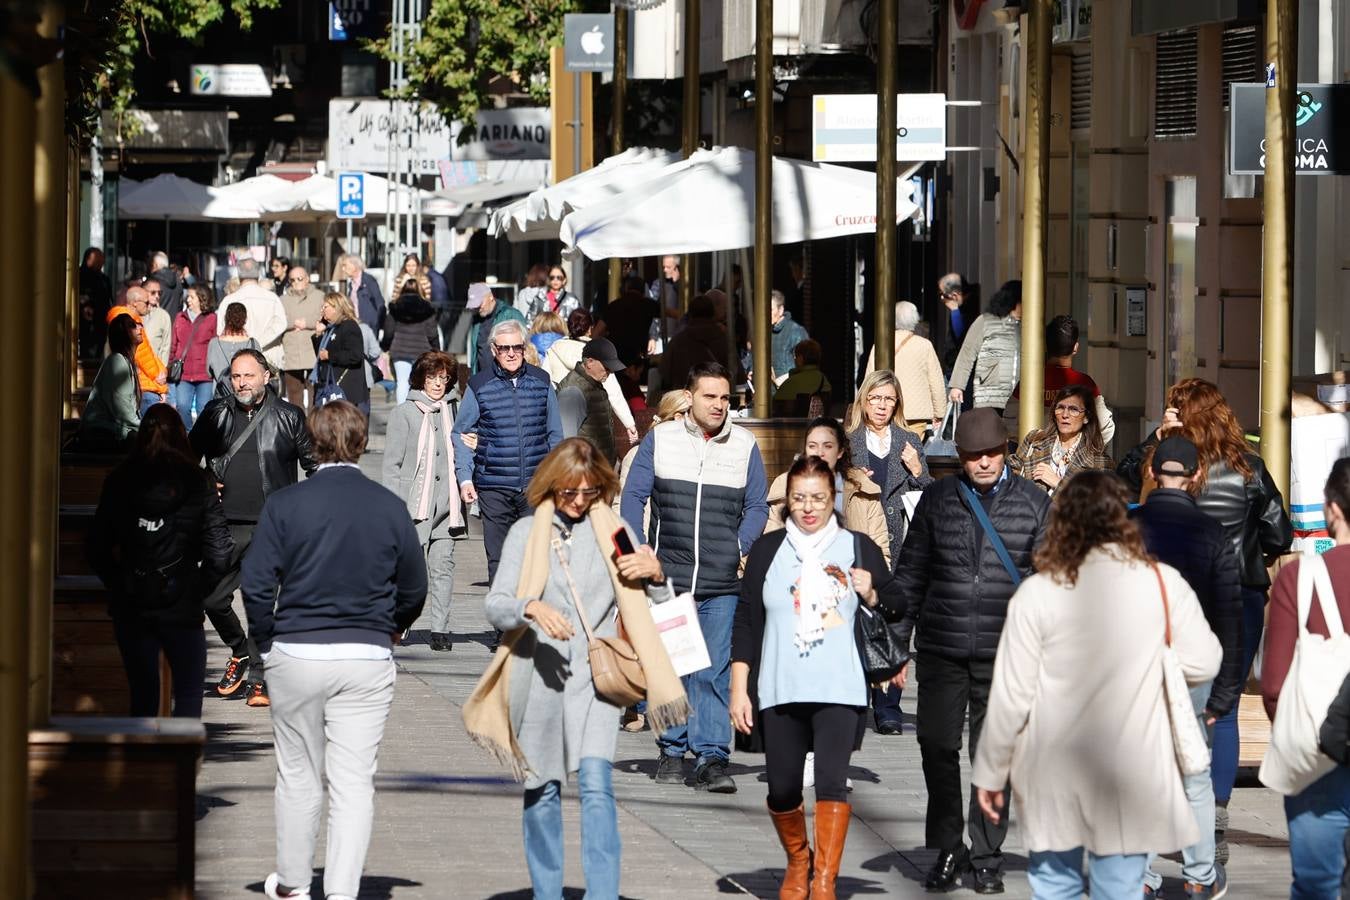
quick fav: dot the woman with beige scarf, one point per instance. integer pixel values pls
(419, 466)
(536, 708)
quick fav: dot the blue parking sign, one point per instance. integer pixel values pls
(351, 201)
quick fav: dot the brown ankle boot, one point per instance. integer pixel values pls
(831, 830)
(791, 828)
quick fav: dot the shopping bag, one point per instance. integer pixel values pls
(943, 441)
(1294, 760)
(677, 622)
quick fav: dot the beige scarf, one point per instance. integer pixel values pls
(426, 460)
(487, 713)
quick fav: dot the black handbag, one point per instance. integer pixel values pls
(881, 654)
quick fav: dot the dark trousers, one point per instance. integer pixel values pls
(500, 509)
(791, 730)
(886, 704)
(219, 604)
(946, 688)
(184, 647)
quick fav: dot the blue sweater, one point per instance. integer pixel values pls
(335, 559)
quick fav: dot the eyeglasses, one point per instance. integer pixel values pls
(507, 349)
(570, 494)
(1073, 411)
(881, 400)
(810, 501)
(443, 378)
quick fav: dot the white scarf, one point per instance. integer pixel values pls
(818, 591)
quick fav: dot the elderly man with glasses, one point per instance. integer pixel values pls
(511, 406)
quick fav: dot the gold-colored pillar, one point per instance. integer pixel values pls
(1035, 196)
(693, 119)
(884, 294)
(620, 107)
(760, 340)
(18, 121)
(1277, 240)
(50, 345)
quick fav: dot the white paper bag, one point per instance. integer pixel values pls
(677, 622)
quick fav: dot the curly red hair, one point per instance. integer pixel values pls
(1210, 423)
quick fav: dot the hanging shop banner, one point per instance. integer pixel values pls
(230, 80)
(844, 127)
(516, 133)
(1321, 132)
(386, 136)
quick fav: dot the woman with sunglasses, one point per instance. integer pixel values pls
(1071, 443)
(552, 297)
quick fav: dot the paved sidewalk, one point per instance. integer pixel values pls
(447, 819)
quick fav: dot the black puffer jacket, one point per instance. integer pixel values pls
(159, 541)
(955, 588)
(410, 329)
(282, 439)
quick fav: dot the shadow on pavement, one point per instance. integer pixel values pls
(206, 803)
(373, 887)
(570, 893)
(222, 746)
(764, 883)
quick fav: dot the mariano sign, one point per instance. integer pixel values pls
(1321, 133)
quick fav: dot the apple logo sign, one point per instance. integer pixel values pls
(593, 41)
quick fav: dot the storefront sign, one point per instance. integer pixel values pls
(844, 127)
(232, 80)
(588, 42)
(368, 135)
(1073, 21)
(517, 133)
(1321, 133)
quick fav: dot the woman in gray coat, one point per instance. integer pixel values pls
(419, 466)
(562, 557)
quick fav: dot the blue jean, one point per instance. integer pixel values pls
(402, 373)
(1197, 860)
(149, 399)
(1059, 875)
(600, 845)
(1223, 769)
(1318, 820)
(708, 732)
(187, 395)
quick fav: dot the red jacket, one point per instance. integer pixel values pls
(1282, 632)
(194, 362)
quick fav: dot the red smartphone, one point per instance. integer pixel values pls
(623, 544)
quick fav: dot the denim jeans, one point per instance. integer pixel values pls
(1197, 860)
(1318, 820)
(149, 399)
(600, 845)
(1223, 769)
(402, 373)
(187, 395)
(1059, 875)
(708, 732)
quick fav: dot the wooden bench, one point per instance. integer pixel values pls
(82, 476)
(87, 674)
(114, 807)
(73, 523)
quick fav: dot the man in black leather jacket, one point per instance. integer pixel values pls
(957, 590)
(251, 440)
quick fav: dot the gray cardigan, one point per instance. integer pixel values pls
(899, 479)
(399, 471)
(555, 713)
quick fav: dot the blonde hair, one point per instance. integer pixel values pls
(341, 304)
(672, 405)
(857, 412)
(573, 461)
(548, 323)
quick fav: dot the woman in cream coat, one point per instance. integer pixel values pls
(1077, 718)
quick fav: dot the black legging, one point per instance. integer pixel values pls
(791, 730)
(184, 647)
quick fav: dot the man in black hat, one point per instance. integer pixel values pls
(969, 546)
(1179, 534)
(582, 400)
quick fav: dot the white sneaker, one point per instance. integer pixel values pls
(272, 888)
(809, 771)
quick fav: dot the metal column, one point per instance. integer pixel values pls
(1277, 240)
(693, 118)
(620, 105)
(760, 338)
(1035, 196)
(883, 294)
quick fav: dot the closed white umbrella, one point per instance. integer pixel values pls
(707, 203)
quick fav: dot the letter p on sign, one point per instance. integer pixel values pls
(351, 195)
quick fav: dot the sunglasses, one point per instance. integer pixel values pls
(557, 278)
(509, 348)
(571, 494)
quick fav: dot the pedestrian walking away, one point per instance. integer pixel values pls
(419, 466)
(797, 673)
(267, 323)
(1079, 677)
(916, 368)
(410, 329)
(560, 564)
(334, 575)
(159, 541)
(705, 480)
(969, 546)
(252, 441)
(991, 352)
(583, 402)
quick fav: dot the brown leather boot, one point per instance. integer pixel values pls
(831, 830)
(791, 828)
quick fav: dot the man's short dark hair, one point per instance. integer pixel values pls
(707, 370)
(1061, 336)
(809, 351)
(338, 431)
(256, 356)
(702, 307)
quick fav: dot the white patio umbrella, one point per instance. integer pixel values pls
(169, 197)
(707, 203)
(316, 198)
(537, 216)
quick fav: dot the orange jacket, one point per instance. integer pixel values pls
(148, 365)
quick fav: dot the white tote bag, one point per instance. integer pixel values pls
(677, 623)
(1320, 664)
(1188, 741)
